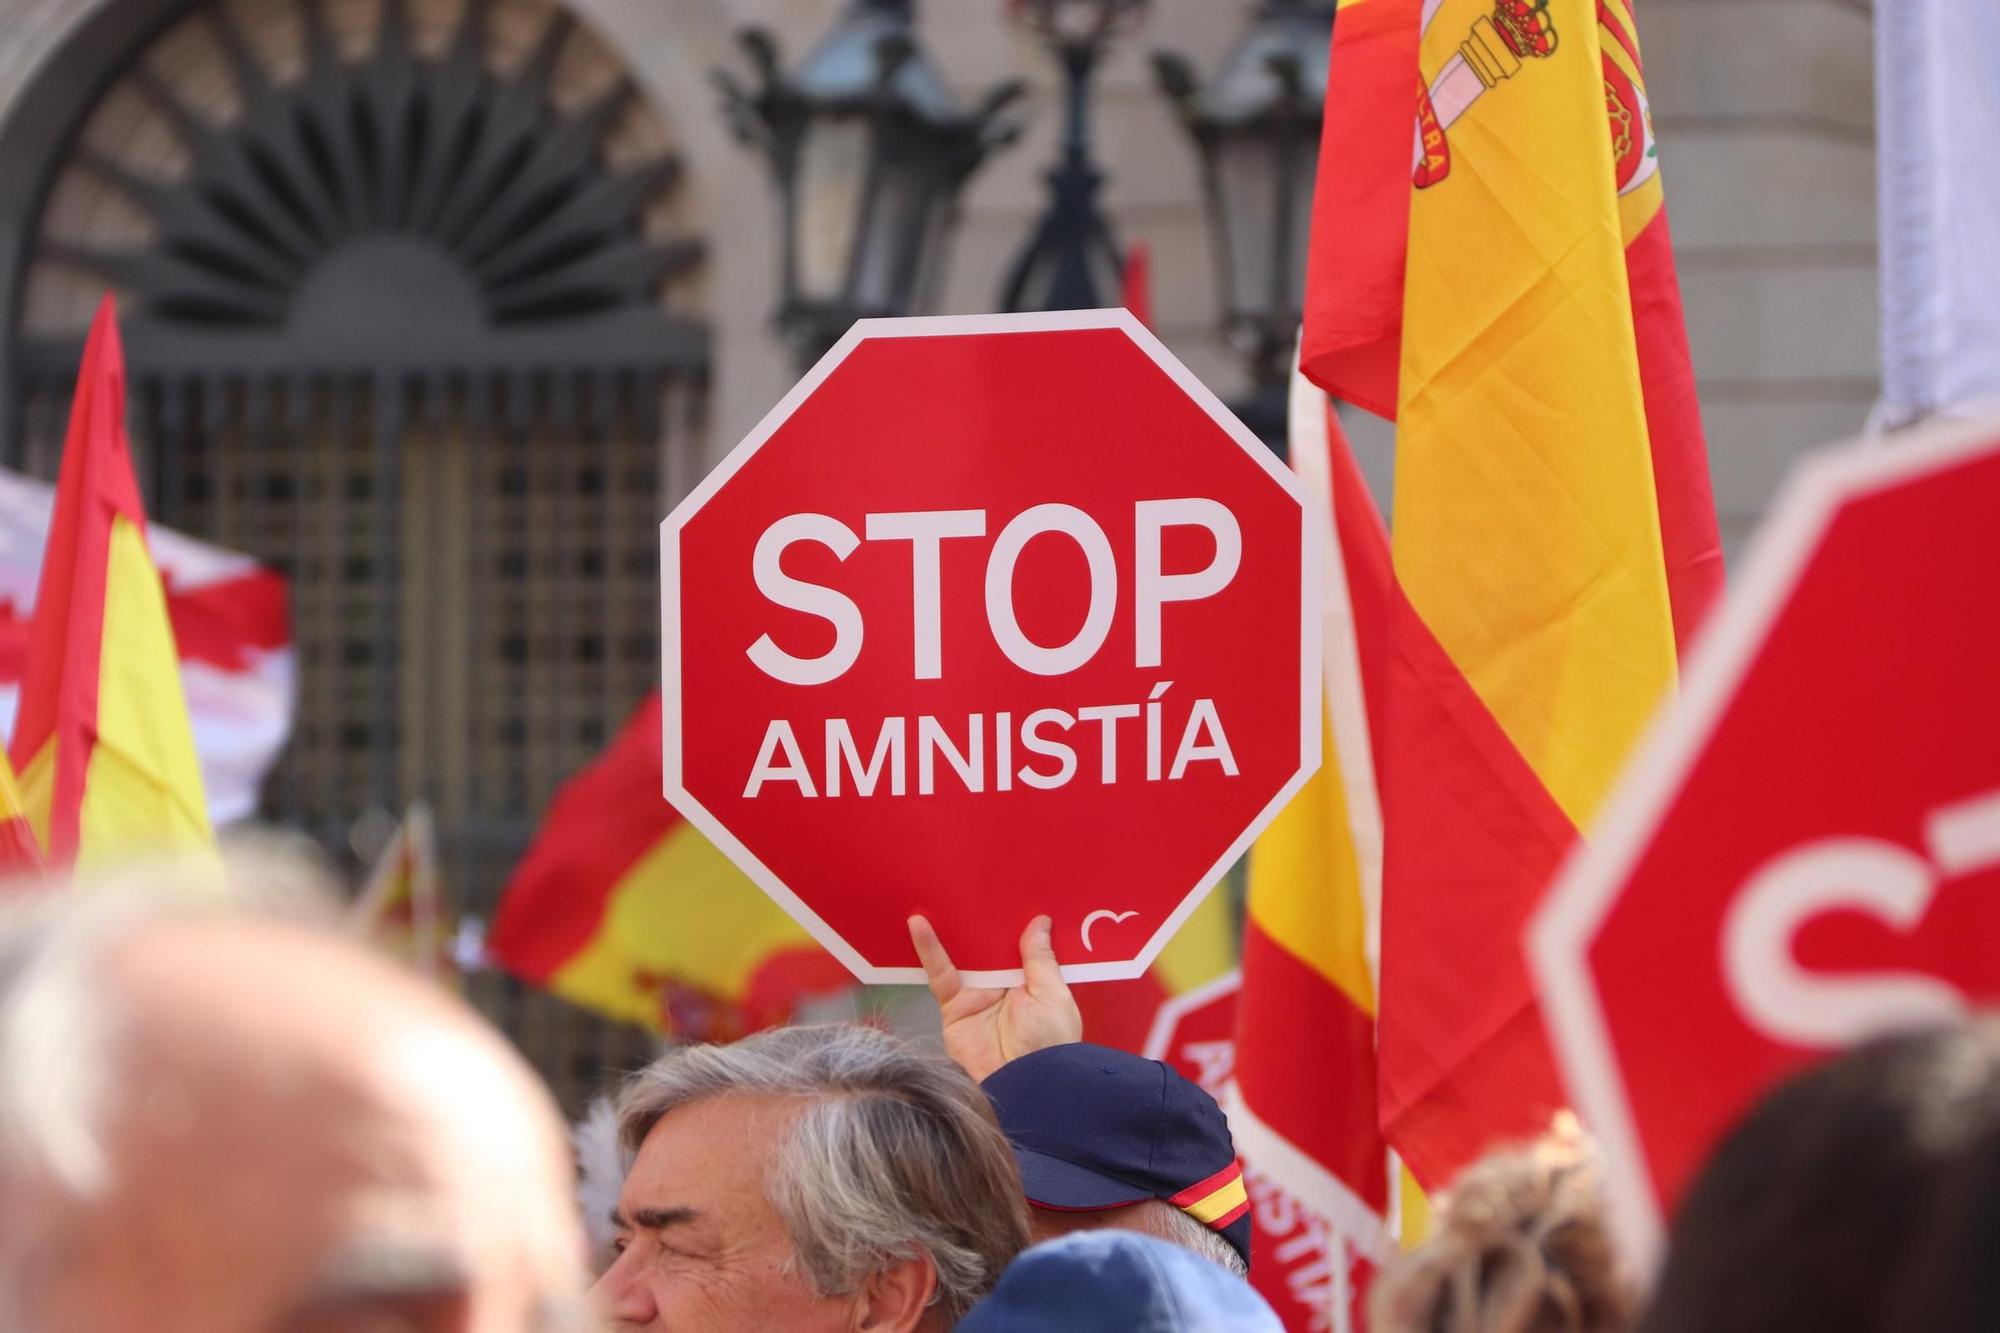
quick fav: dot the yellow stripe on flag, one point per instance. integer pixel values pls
(682, 911)
(1305, 884)
(1205, 947)
(1413, 1210)
(1526, 529)
(143, 787)
(36, 787)
(20, 850)
(11, 806)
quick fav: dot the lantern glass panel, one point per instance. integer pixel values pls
(1302, 155)
(1247, 184)
(932, 242)
(832, 179)
(898, 223)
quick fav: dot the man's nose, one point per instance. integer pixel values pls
(620, 1297)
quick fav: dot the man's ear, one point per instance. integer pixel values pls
(897, 1299)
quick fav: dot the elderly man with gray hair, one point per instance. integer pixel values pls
(220, 1118)
(818, 1179)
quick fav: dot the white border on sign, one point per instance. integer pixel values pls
(933, 326)
(1262, 1148)
(1176, 1007)
(1562, 931)
(1306, 1178)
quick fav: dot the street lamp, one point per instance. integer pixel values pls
(1257, 127)
(868, 150)
(1071, 261)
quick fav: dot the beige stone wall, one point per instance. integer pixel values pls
(1766, 115)
(1764, 107)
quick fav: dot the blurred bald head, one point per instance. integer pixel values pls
(243, 1124)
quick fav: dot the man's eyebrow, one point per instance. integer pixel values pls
(653, 1219)
(383, 1271)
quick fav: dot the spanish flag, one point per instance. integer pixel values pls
(401, 909)
(622, 907)
(19, 852)
(1552, 532)
(102, 743)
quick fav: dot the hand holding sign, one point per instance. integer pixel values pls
(985, 1027)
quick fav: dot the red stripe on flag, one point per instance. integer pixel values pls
(219, 624)
(597, 828)
(1137, 282)
(1689, 537)
(1361, 207)
(1319, 1096)
(788, 978)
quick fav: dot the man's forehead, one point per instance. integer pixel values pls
(707, 1152)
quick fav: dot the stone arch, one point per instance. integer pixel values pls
(415, 304)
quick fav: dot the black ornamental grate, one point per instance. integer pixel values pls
(405, 300)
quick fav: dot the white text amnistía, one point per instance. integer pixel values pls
(991, 751)
(1049, 756)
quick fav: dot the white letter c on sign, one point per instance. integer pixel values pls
(1787, 1003)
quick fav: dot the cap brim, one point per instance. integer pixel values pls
(1050, 1182)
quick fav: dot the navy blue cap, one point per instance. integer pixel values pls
(1118, 1282)
(1095, 1128)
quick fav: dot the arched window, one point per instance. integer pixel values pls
(409, 315)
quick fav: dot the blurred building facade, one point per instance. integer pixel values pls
(448, 377)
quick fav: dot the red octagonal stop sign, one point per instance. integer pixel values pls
(1808, 849)
(991, 616)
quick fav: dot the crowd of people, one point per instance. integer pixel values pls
(218, 1113)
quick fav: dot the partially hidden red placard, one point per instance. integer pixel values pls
(1315, 1277)
(1807, 851)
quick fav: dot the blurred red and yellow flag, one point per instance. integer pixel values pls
(1304, 1105)
(19, 852)
(101, 743)
(621, 906)
(401, 909)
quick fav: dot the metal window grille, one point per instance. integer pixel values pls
(403, 285)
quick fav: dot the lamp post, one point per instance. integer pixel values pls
(1257, 127)
(868, 150)
(1071, 260)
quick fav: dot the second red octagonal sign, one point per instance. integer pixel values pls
(991, 616)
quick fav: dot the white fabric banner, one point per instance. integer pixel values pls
(230, 622)
(1937, 99)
